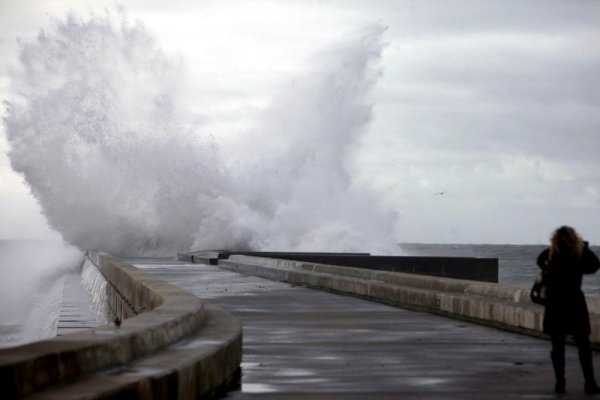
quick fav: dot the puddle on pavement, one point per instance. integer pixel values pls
(257, 388)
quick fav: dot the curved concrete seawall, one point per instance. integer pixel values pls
(485, 303)
(175, 347)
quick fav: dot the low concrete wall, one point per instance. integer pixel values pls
(172, 316)
(491, 304)
(477, 269)
(470, 268)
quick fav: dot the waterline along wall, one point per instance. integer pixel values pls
(143, 353)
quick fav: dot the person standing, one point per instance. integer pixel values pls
(566, 312)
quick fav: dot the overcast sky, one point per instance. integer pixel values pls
(494, 103)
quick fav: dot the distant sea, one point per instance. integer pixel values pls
(516, 263)
(517, 267)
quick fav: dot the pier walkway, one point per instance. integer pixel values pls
(301, 343)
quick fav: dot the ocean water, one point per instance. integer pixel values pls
(516, 263)
(31, 282)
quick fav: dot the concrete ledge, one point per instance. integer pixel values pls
(491, 304)
(190, 369)
(173, 315)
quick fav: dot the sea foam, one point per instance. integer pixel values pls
(101, 132)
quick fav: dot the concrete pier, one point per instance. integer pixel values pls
(305, 344)
(180, 336)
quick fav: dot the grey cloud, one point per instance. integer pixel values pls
(432, 17)
(493, 93)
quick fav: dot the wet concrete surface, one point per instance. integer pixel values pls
(75, 313)
(306, 344)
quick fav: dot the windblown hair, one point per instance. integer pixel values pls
(565, 242)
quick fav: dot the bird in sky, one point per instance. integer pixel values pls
(439, 193)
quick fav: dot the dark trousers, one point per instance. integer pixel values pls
(585, 356)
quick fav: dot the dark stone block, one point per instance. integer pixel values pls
(469, 268)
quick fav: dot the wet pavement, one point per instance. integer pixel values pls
(301, 343)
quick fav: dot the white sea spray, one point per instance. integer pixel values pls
(103, 137)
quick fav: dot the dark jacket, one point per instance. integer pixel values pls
(566, 310)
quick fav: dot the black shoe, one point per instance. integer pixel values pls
(592, 388)
(559, 387)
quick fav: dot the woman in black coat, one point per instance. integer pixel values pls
(566, 312)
